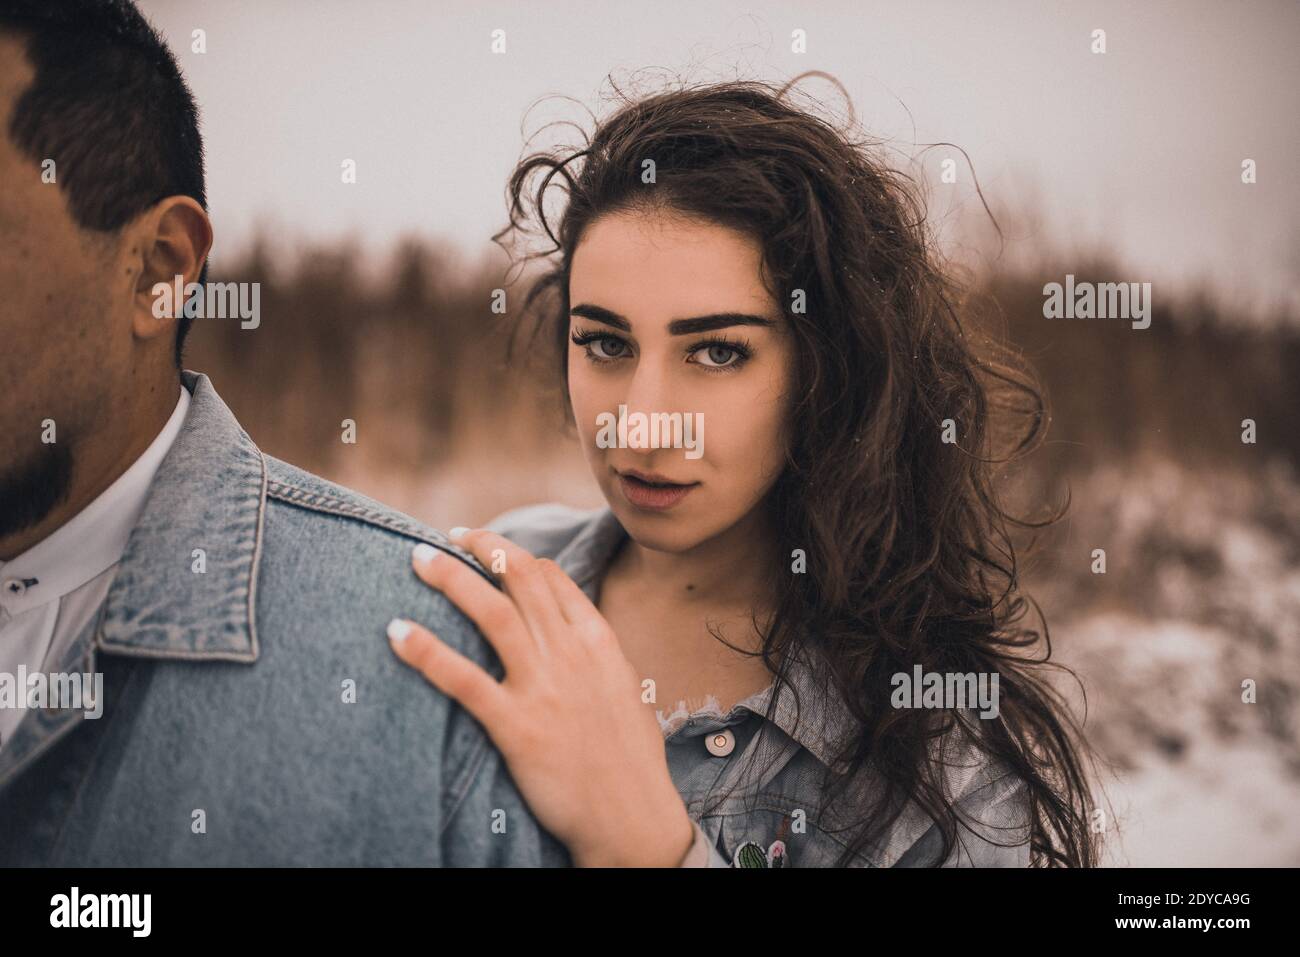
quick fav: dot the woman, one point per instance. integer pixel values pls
(728, 260)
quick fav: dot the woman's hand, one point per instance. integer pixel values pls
(586, 753)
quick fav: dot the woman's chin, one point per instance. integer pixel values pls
(659, 531)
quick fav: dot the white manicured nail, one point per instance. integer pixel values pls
(424, 552)
(458, 531)
(398, 630)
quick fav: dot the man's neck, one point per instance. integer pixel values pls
(99, 462)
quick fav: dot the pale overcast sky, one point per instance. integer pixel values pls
(1137, 151)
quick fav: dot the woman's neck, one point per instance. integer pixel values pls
(668, 610)
(731, 571)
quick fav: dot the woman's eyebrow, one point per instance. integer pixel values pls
(601, 314)
(717, 320)
(678, 327)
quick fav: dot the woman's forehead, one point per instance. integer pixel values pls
(644, 267)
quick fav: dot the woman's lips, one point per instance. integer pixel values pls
(652, 496)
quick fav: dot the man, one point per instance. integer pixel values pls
(251, 710)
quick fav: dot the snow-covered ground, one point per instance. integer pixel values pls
(1201, 597)
(1223, 805)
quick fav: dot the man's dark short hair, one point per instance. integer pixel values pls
(109, 105)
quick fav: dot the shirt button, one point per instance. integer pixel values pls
(720, 743)
(15, 587)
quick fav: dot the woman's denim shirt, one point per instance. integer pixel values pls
(772, 813)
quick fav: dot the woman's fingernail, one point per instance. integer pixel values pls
(398, 630)
(424, 552)
(458, 531)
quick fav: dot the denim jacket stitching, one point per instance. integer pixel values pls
(296, 495)
(461, 788)
(302, 498)
(127, 649)
(256, 568)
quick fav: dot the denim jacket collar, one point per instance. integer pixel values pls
(209, 493)
(186, 585)
(819, 721)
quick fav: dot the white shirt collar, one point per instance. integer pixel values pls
(92, 540)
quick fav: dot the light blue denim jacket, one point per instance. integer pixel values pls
(253, 712)
(774, 779)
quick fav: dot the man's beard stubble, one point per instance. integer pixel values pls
(30, 490)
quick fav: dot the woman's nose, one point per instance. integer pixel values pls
(648, 395)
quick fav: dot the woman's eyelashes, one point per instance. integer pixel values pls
(715, 354)
(607, 342)
(723, 355)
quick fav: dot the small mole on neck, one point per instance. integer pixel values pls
(690, 588)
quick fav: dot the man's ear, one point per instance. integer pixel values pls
(172, 239)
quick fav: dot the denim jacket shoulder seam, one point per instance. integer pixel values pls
(295, 495)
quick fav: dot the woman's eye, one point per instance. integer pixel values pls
(718, 356)
(607, 348)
